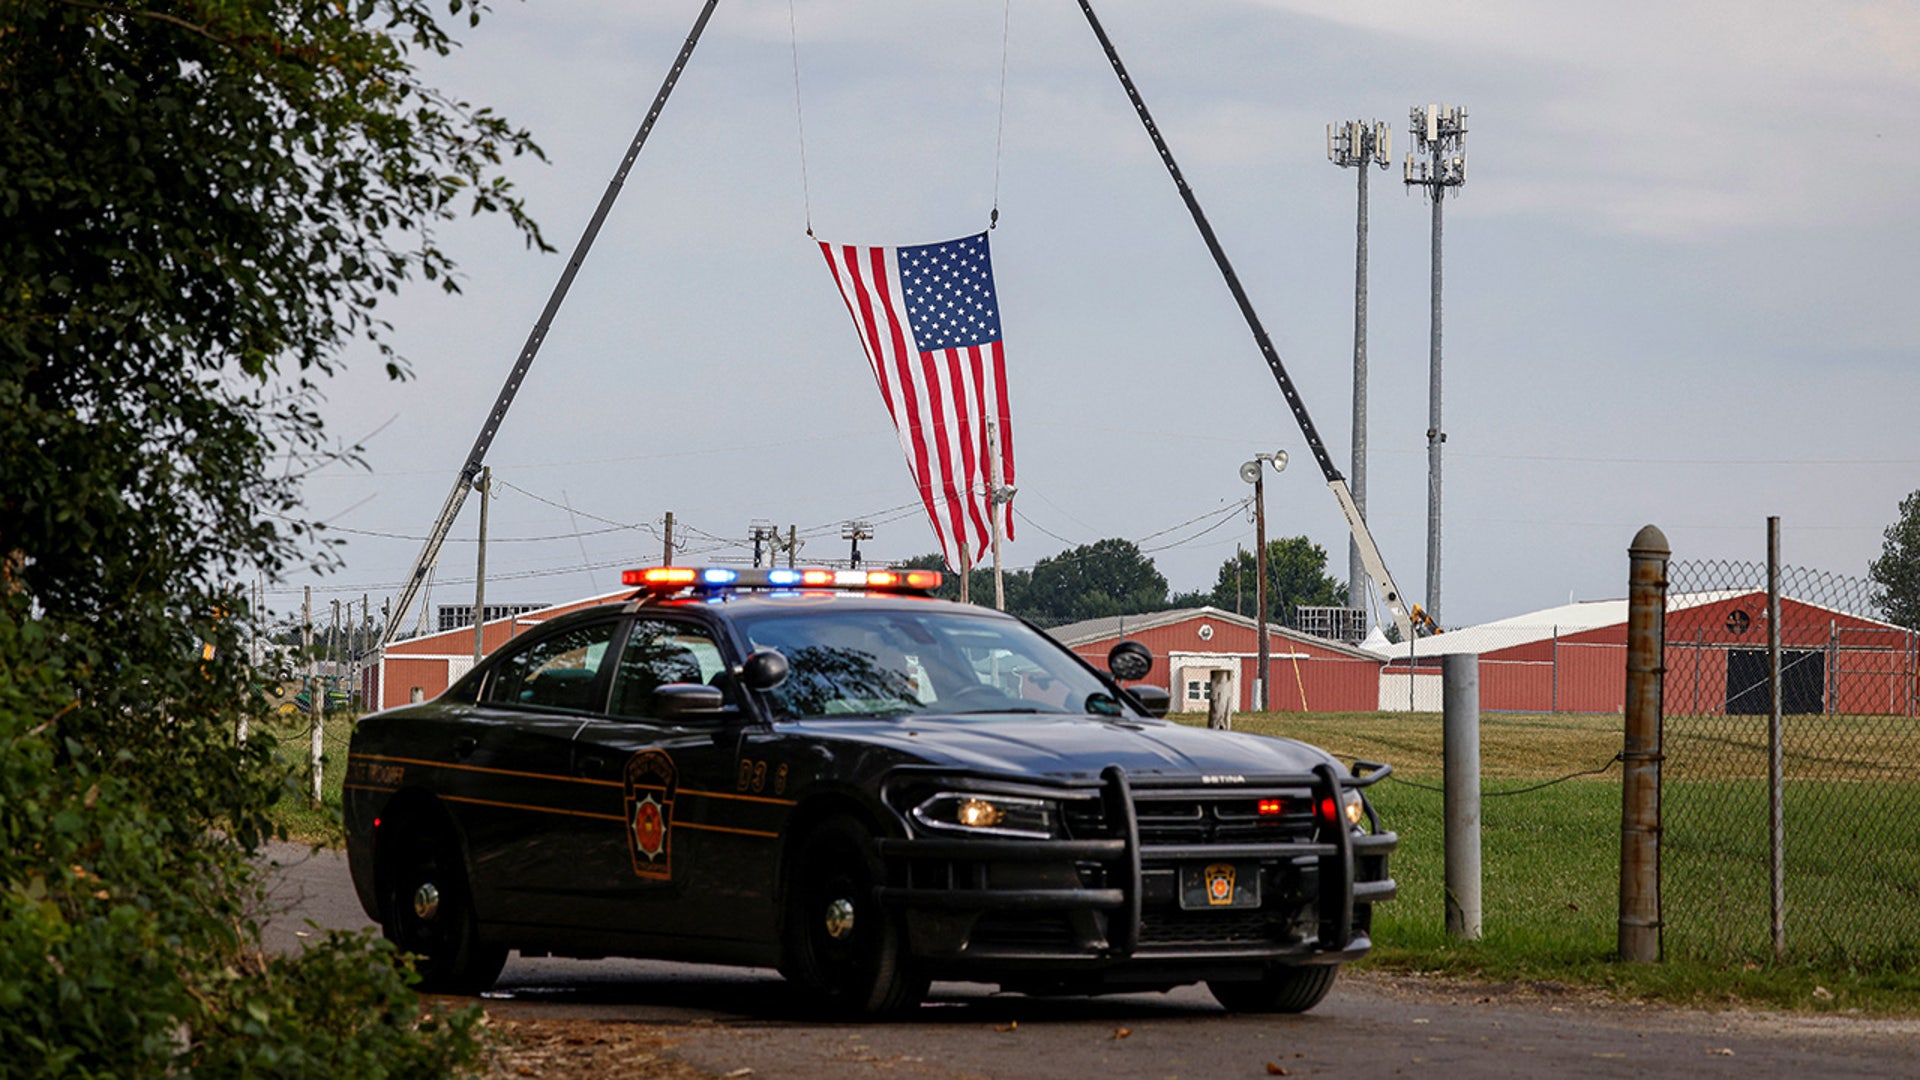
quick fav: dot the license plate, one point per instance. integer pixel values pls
(1219, 885)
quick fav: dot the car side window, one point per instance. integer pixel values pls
(559, 672)
(659, 653)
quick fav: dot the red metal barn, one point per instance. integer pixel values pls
(1573, 659)
(1190, 644)
(423, 667)
(1830, 661)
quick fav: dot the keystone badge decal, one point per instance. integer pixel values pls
(650, 784)
(1219, 884)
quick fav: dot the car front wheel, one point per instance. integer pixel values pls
(1278, 990)
(845, 953)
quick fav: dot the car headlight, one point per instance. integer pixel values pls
(980, 814)
(1351, 808)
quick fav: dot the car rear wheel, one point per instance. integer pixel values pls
(1279, 990)
(845, 953)
(428, 911)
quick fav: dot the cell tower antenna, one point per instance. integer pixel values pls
(1359, 144)
(1438, 132)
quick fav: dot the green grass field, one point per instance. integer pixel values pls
(296, 813)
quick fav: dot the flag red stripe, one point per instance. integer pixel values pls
(967, 440)
(942, 442)
(903, 357)
(1006, 429)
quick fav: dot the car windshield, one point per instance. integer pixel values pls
(878, 662)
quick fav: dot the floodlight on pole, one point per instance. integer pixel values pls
(856, 531)
(1438, 134)
(1357, 144)
(1253, 474)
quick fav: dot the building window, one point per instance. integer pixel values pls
(1199, 690)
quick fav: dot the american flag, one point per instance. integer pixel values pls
(931, 326)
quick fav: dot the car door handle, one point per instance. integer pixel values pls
(591, 766)
(464, 746)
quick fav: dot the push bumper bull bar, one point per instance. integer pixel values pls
(1126, 858)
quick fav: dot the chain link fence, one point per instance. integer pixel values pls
(1790, 833)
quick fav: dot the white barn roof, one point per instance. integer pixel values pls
(1542, 625)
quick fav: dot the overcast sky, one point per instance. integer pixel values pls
(1679, 285)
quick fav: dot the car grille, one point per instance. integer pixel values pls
(1204, 819)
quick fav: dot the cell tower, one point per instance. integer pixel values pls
(1358, 144)
(1438, 133)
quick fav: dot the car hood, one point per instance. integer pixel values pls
(1069, 747)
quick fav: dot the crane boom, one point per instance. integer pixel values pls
(456, 498)
(1404, 618)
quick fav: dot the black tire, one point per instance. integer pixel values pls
(428, 911)
(845, 954)
(1281, 990)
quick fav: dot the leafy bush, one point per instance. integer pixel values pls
(197, 193)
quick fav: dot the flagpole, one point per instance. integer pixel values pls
(966, 565)
(997, 504)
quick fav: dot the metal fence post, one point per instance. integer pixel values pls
(1640, 755)
(1460, 742)
(1776, 753)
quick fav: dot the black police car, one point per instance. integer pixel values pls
(830, 773)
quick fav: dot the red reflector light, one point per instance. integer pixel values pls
(1328, 811)
(1272, 807)
(924, 579)
(882, 579)
(659, 576)
(816, 577)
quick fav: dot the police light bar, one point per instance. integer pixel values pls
(669, 579)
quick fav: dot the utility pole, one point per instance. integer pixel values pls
(333, 653)
(1239, 589)
(1260, 583)
(346, 649)
(666, 558)
(761, 531)
(1357, 144)
(966, 567)
(366, 639)
(1438, 131)
(480, 569)
(998, 496)
(855, 531)
(1254, 473)
(316, 703)
(793, 544)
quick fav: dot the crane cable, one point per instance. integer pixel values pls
(1000, 123)
(800, 121)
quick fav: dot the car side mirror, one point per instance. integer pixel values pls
(1129, 661)
(1153, 700)
(766, 669)
(679, 701)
